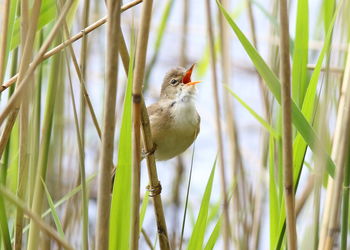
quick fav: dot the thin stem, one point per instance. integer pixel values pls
(27, 45)
(186, 200)
(287, 128)
(71, 40)
(16, 97)
(339, 154)
(153, 180)
(35, 218)
(3, 42)
(140, 62)
(226, 224)
(108, 130)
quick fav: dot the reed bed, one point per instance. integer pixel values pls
(271, 165)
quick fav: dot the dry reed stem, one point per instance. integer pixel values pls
(29, 23)
(226, 220)
(35, 218)
(3, 42)
(152, 170)
(108, 131)
(83, 88)
(7, 130)
(41, 166)
(235, 153)
(265, 140)
(339, 154)
(287, 138)
(71, 40)
(16, 97)
(139, 72)
(153, 179)
(299, 204)
(147, 239)
(83, 66)
(184, 33)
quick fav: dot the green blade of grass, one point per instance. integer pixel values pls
(144, 208)
(53, 210)
(214, 235)
(299, 120)
(120, 218)
(300, 55)
(261, 120)
(197, 237)
(47, 14)
(273, 195)
(186, 200)
(4, 230)
(65, 198)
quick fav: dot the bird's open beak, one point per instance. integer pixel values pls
(187, 77)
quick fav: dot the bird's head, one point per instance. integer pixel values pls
(177, 83)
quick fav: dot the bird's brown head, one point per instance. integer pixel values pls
(177, 81)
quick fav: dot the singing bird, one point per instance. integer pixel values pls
(174, 120)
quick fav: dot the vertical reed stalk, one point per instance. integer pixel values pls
(287, 128)
(3, 42)
(183, 47)
(140, 62)
(151, 166)
(27, 45)
(71, 40)
(345, 206)
(108, 130)
(33, 238)
(226, 224)
(236, 160)
(16, 97)
(153, 180)
(83, 66)
(339, 156)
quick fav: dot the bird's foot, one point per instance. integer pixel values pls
(150, 152)
(154, 190)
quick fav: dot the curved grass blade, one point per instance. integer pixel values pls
(300, 55)
(144, 208)
(186, 200)
(272, 82)
(53, 210)
(261, 120)
(197, 237)
(299, 144)
(66, 197)
(47, 14)
(214, 235)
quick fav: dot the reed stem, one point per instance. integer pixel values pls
(108, 130)
(287, 138)
(226, 224)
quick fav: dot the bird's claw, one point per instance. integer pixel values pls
(154, 190)
(150, 152)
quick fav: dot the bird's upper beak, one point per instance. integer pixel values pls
(187, 77)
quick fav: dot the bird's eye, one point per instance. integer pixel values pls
(173, 81)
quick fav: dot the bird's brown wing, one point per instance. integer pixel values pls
(160, 119)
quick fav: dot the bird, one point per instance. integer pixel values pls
(174, 120)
